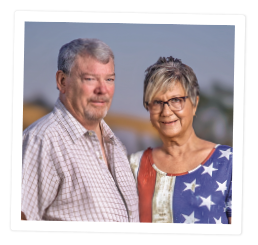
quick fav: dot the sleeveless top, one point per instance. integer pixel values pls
(202, 195)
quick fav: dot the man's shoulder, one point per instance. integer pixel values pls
(108, 133)
(43, 127)
(120, 145)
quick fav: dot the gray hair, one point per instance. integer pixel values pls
(165, 73)
(82, 46)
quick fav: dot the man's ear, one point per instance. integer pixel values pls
(60, 81)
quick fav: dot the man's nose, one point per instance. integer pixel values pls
(101, 87)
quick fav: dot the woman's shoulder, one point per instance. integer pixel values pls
(223, 153)
(216, 147)
(135, 160)
(219, 146)
(224, 148)
(217, 153)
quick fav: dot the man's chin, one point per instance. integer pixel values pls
(95, 116)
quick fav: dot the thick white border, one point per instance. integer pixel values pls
(21, 17)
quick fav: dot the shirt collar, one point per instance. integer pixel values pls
(107, 133)
(72, 126)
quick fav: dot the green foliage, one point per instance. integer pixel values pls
(214, 120)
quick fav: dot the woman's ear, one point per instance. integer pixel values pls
(196, 105)
(60, 81)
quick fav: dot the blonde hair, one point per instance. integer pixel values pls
(164, 74)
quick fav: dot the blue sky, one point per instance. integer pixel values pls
(208, 49)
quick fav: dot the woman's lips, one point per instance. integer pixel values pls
(170, 122)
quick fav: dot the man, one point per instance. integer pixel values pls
(74, 168)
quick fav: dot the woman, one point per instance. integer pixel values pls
(187, 179)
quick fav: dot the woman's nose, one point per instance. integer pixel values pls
(166, 111)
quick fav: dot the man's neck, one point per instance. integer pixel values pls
(89, 125)
(93, 125)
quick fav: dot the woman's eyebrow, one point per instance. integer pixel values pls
(174, 96)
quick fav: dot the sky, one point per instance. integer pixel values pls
(208, 49)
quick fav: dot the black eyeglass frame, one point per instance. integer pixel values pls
(166, 102)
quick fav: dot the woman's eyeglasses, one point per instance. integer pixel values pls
(175, 104)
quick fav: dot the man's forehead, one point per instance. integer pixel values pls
(89, 65)
(84, 57)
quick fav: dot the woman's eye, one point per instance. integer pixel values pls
(156, 102)
(175, 100)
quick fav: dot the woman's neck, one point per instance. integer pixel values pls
(178, 146)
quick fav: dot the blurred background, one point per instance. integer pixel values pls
(208, 49)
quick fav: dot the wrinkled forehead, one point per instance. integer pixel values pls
(88, 62)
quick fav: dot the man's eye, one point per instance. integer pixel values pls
(110, 80)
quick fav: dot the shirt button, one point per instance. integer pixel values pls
(90, 133)
(100, 157)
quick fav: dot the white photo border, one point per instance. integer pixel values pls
(131, 18)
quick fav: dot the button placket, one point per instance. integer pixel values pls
(96, 150)
(98, 153)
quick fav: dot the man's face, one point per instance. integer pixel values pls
(89, 89)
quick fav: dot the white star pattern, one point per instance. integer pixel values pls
(209, 169)
(207, 202)
(218, 221)
(222, 187)
(190, 219)
(191, 186)
(226, 153)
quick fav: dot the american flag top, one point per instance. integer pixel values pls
(202, 195)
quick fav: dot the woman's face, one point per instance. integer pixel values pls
(173, 124)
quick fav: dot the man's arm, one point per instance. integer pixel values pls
(40, 180)
(229, 220)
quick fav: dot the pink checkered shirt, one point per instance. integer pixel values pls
(64, 176)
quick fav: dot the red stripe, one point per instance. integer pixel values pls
(146, 184)
(177, 174)
(208, 156)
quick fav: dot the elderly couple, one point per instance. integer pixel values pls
(75, 169)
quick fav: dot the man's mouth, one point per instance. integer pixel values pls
(99, 101)
(170, 122)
